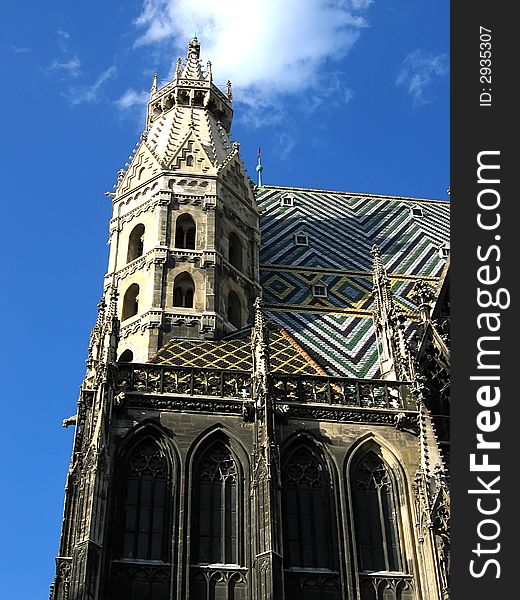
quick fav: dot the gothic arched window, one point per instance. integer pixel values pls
(185, 231)
(375, 515)
(234, 310)
(131, 302)
(142, 525)
(215, 510)
(145, 503)
(235, 251)
(183, 291)
(135, 243)
(307, 516)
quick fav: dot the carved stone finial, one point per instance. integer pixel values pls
(394, 358)
(155, 85)
(423, 295)
(229, 91)
(194, 47)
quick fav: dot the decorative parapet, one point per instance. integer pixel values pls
(286, 389)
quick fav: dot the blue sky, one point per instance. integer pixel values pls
(340, 94)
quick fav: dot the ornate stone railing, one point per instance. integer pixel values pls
(165, 379)
(305, 389)
(389, 586)
(364, 393)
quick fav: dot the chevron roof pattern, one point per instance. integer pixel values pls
(340, 229)
(334, 334)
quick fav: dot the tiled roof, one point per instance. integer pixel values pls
(234, 353)
(332, 335)
(337, 331)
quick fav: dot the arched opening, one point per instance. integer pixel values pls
(185, 231)
(126, 357)
(135, 243)
(375, 515)
(234, 310)
(183, 291)
(189, 160)
(141, 555)
(310, 552)
(131, 302)
(216, 508)
(235, 251)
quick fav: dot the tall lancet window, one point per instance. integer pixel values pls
(145, 503)
(215, 510)
(141, 569)
(310, 547)
(375, 515)
(307, 530)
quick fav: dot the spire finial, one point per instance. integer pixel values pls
(155, 85)
(194, 47)
(259, 168)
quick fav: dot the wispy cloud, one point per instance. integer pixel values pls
(285, 145)
(82, 94)
(418, 72)
(70, 68)
(268, 49)
(21, 49)
(132, 98)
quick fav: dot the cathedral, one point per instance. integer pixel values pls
(265, 410)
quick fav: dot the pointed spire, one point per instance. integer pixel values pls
(382, 289)
(395, 359)
(259, 341)
(259, 168)
(192, 68)
(155, 86)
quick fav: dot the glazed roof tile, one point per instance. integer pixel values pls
(333, 335)
(337, 331)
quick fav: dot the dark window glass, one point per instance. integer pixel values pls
(375, 515)
(145, 504)
(307, 519)
(215, 512)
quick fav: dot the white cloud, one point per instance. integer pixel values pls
(418, 71)
(91, 93)
(267, 48)
(132, 99)
(71, 67)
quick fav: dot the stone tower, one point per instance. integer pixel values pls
(249, 428)
(184, 233)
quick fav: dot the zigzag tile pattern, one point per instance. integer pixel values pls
(337, 332)
(343, 227)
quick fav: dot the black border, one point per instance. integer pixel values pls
(475, 129)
